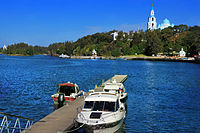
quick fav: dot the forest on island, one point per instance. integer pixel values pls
(168, 41)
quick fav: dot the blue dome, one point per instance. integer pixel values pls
(166, 21)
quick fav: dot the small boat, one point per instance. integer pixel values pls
(66, 92)
(102, 112)
(64, 56)
(114, 87)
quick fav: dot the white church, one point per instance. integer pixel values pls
(152, 24)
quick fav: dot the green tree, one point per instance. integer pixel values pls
(154, 44)
(116, 52)
(192, 40)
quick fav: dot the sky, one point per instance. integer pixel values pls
(43, 22)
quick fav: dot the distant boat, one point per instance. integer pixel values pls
(64, 56)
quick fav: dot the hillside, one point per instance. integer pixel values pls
(167, 41)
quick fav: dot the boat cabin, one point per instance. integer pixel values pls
(114, 87)
(107, 103)
(68, 88)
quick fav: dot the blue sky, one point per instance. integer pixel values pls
(42, 22)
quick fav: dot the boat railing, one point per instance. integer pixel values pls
(78, 110)
(12, 123)
(81, 116)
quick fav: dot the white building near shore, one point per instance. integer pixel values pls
(182, 53)
(4, 47)
(94, 52)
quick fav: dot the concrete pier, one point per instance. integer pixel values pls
(60, 120)
(63, 119)
(118, 78)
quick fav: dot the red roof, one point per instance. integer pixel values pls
(66, 84)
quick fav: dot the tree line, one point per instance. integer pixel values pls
(168, 41)
(24, 49)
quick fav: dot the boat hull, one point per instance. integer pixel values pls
(103, 128)
(67, 99)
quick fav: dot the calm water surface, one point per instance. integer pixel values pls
(162, 96)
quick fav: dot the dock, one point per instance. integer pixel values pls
(63, 119)
(60, 120)
(117, 78)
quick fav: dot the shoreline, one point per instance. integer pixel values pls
(169, 59)
(148, 58)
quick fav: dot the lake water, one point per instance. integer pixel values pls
(162, 96)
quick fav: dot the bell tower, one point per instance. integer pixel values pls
(152, 24)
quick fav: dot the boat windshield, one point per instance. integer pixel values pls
(100, 106)
(67, 90)
(109, 106)
(88, 104)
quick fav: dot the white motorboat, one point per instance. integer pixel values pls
(116, 87)
(64, 56)
(102, 112)
(113, 87)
